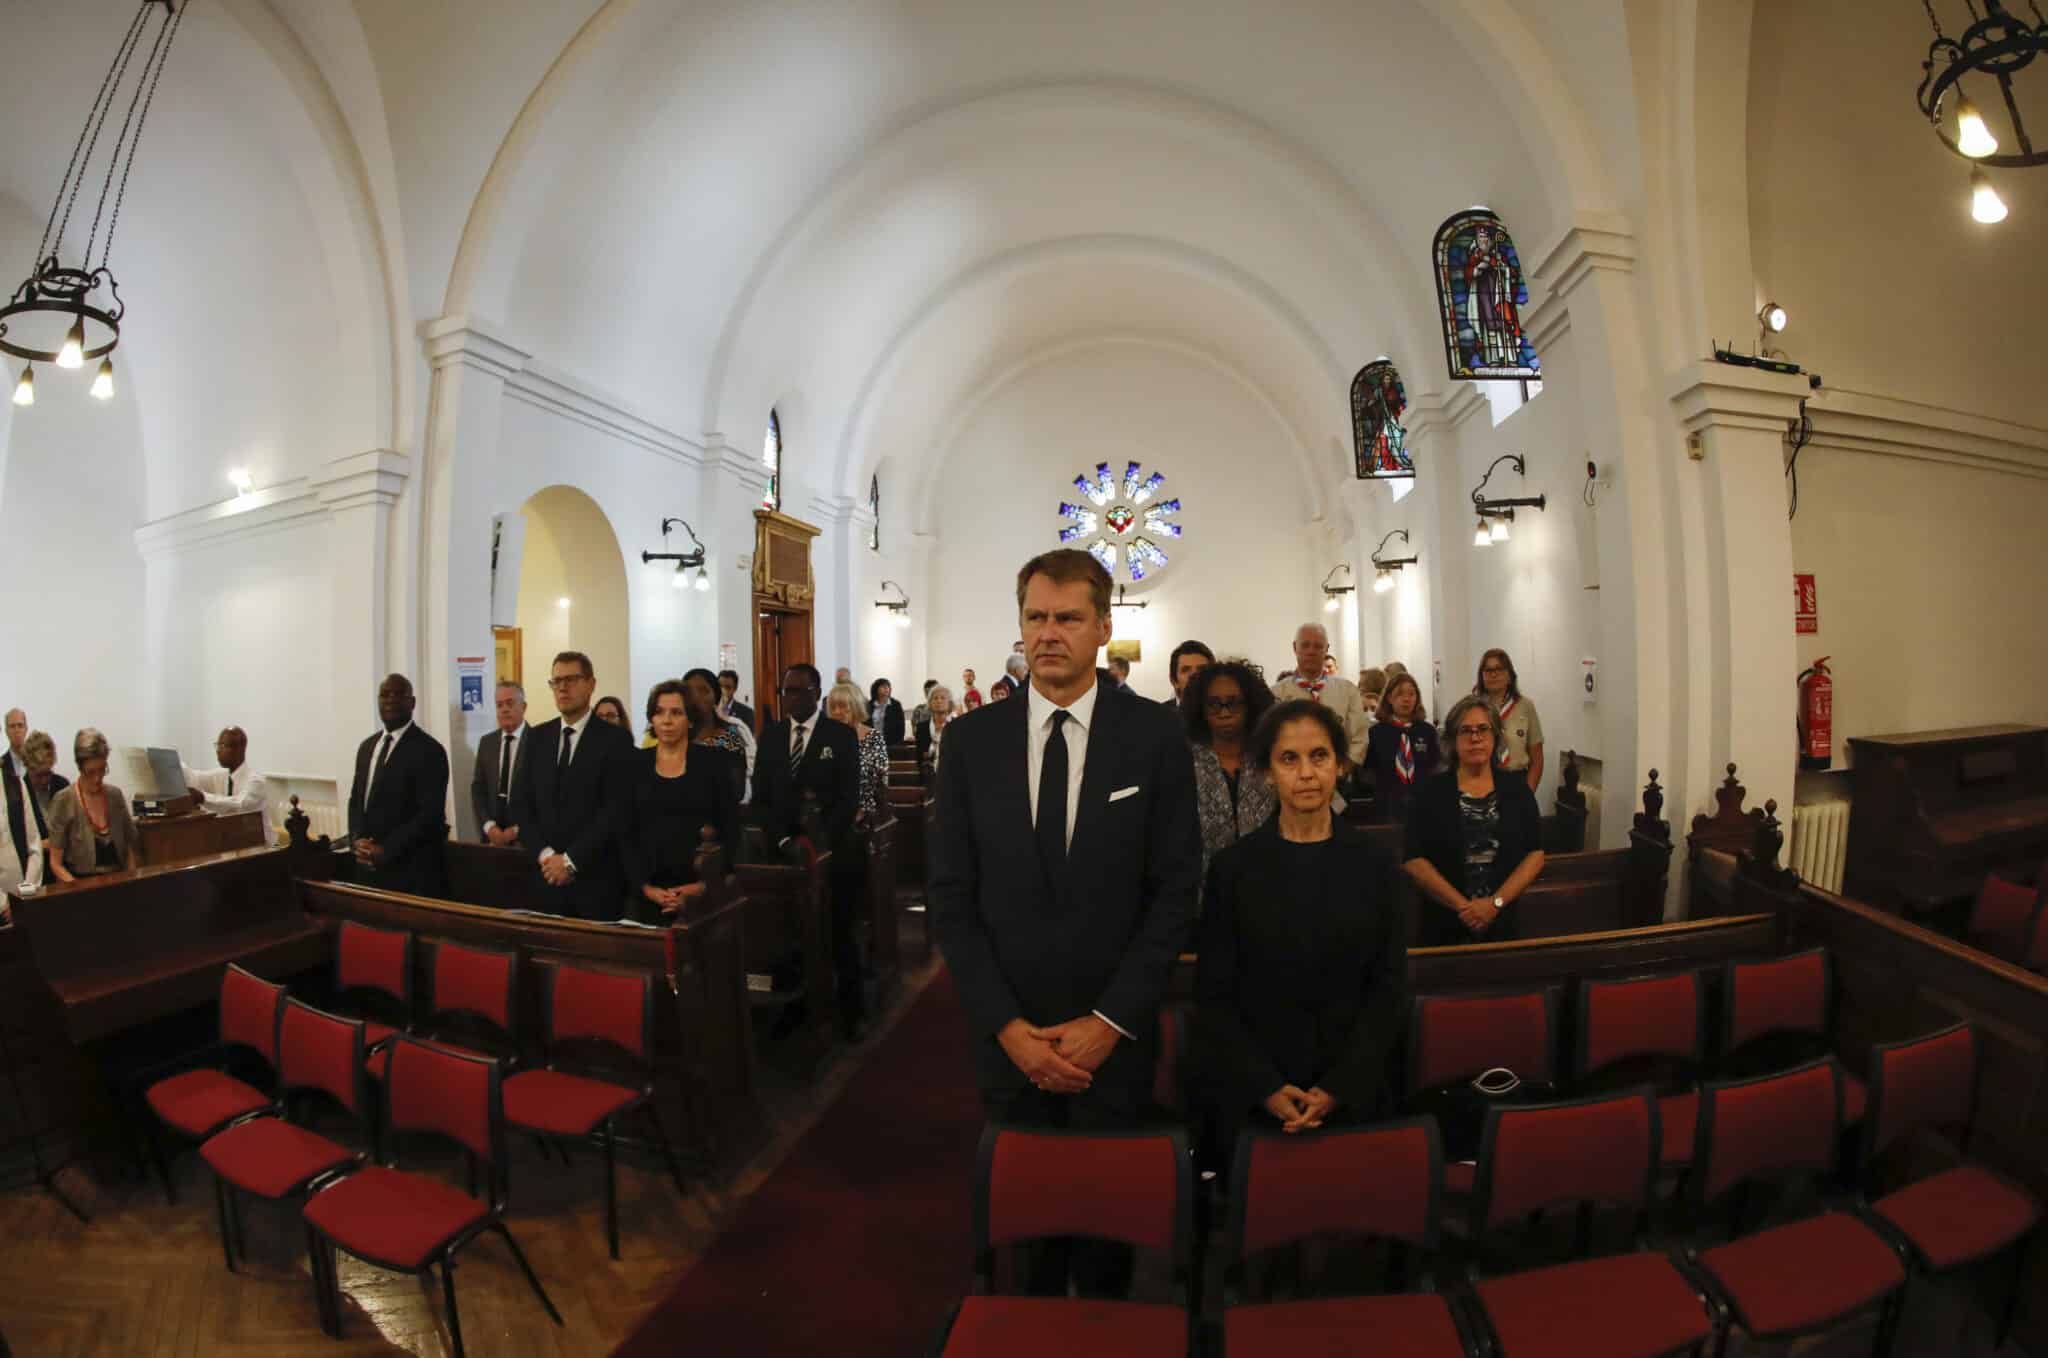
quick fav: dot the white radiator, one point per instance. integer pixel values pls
(1820, 843)
(326, 819)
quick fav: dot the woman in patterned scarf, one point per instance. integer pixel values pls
(1221, 706)
(1401, 750)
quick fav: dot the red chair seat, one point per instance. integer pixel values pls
(1678, 1115)
(392, 1217)
(1640, 1304)
(566, 1105)
(1804, 1274)
(375, 1033)
(1413, 1324)
(380, 1060)
(1960, 1214)
(1031, 1327)
(271, 1157)
(200, 1102)
(1855, 1099)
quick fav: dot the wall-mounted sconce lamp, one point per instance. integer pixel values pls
(1500, 511)
(1385, 566)
(1121, 602)
(1333, 595)
(684, 560)
(899, 606)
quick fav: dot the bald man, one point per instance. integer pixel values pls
(231, 788)
(396, 818)
(1340, 695)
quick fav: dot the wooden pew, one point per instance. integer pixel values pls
(789, 921)
(164, 840)
(1528, 962)
(885, 958)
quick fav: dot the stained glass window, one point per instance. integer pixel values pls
(1118, 518)
(1378, 437)
(771, 458)
(1480, 291)
(875, 511)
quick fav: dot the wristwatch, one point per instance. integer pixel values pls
(1499, 904)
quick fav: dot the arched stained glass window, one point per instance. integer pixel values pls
(875, 512)
(1480, 292)
(771, 458)
(1378, 437)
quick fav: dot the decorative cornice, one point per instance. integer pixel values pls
(1435, 413)
(837, 508)
(1724, 396)
(472, 342)
(269, 510)
(722, 459)
(1857, 422)
(363, 480)
(1585, 248)
(558, 393)
(1548, 322)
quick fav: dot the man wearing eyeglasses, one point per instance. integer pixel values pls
(578, 786)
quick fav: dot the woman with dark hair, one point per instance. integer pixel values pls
(1520, 749)
(885, 714)
(1220, 706)
(1302, 978)
(719, 733)
(610, 709)
(679, 787)
(1475, 837)
(1401, 749)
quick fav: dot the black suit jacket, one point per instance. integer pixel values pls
(1436, 832)
(892, 722)
(483, 781)
(406, 813)
(20, 808)
(1302, 992)
(830, 768)
(1103, 939)
(581, 812)
(743, 714)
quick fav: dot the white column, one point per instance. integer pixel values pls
(729, 488)
(357, 493)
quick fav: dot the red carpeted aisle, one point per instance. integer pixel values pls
(862, 1238)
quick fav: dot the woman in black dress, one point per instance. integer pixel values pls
(1475, 840)
(1302, 977)
(679, 787)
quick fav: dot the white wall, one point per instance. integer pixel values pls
(1241, 579)
(571, 554)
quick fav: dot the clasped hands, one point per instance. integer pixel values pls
(557, 870)
(669, 897)
(1300, 1110)
(369, 852)
(502, 836)
(1478, 914)
(1063, 1058)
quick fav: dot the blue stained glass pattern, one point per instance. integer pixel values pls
(1145, 553)
(1480, 291)
(1156, 520)
(1105, 484)
(1098, 492)
(1379, 440)
(1104, 553)
(1130, 480)
(1112, 510)
(1150, 488)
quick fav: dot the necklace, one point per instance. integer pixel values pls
(99, 822)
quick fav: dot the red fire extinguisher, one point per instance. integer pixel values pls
(1816, 717)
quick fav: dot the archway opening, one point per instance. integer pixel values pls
(572, 594)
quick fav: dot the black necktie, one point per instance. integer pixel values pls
(504, 770)
(377, 769)
(562, 764)
(231, 784)
(1052, 798)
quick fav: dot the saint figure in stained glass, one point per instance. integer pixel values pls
(771, 458)
(875, 512)
(1378, 438)
(1481, 291)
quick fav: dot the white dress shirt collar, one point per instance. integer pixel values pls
(1081, 710)
(396, 736)
(809, 726)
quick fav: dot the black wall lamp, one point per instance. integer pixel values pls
(1501, 511)
(1333, 595)
(684, 560)
(1385, 566)
(899, 606)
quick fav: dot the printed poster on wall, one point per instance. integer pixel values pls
(1589, 683)
(729, 655)
(1805, 606)
(469, 681)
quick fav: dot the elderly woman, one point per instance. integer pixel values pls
(1302, 979)
(939, 707)
(844, 704)
(90, 829)
(1401, 750)
(1220, 707)
(1521, 730)
(1475, 837)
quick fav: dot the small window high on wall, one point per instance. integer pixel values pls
(1378, 438)
(875, 511)
(1480, 291)
(771, 458)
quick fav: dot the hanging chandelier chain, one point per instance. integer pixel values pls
(1971, 5)
(154, 75)
(145, 84)
(1928, 5)
(89, 128)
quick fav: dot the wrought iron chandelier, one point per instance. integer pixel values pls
(81, 293)
(1997, 45)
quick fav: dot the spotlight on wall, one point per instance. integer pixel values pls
(1772, 317)
(1985, 204)
(684, 560)
(562, 602)
(239, 478)
(1501, 510)
(898, 606)
(25, 389)
(1384, 567)
(1333, 595)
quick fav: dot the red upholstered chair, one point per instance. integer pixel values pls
(2000, 918)
(1807, 1275)
(373, 975)
(1132, 1187)
(1960, 1215)
(1584, 1153)
(1780, 1013)
(272, 1157)
(1649, 1026)
(1452, 1038)
(475, 1000)
(1384, 1182)
(607, 1019)
(203, 1099)
(409, 1222)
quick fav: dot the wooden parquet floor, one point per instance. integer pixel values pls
(146, 1279)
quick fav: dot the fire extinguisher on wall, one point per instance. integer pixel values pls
(1816, 717)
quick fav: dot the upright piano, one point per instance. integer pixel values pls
(1935, 811)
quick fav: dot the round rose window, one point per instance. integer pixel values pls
(1120, 523)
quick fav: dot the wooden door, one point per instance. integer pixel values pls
(782, 637)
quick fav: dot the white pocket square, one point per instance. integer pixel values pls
(825, 753)
(1122, 793)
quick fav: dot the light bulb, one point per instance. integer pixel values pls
(1330, 603)
(679, 580)
(1973, 138)
(1383, 582)
(25, 389)
(1499, 532)
(903, 618)
(1985, 204)
(703, 581)
(1773, 316)
(1480, 537)
(72, 355)
(562, 602)
(103, 384)
(239, 478)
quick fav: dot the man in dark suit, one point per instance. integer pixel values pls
(808, 752)
(501, 769)
(578, 787)
(397, 807)
(1063, 882)
(729, 704)
(13, 774)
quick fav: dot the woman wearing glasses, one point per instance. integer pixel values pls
(1220, 706)
(1475, 838)
(1521, 730)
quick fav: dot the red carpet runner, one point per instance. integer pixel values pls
(862, 1238)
